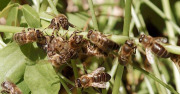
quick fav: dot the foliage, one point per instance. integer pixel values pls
(27, 65)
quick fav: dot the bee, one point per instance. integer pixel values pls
(97, 78)
(126, 51)
(101, 41)
(90, 49)
(60, 21)
(154, 45)
(10, 88)
(28, 37)
(61, 51)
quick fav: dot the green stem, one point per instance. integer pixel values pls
(155, 79)
(118, 77)
(44, 6)
(53, 7)
(93, 14)
(73, 63)
(65, 79)
(161, 14)
(127, 18)
(65, 86)
(126, 28)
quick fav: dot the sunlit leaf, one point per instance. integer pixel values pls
(23, 86)
(31, 16)
(5, 11)
(12, 63)
(42, 78)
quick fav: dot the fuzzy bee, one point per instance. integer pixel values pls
(126, 51)
(97, 78)
(61, 51)
(154, 45)
(10, 88)
(90, 49)
(60, 21)
(28, 37)
(101, 41)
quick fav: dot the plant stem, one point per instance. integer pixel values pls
(93, 14)
(65, 86)
(126, 27)
(161, 14)
(155, 79)
(53, 7)
(118, 77)
(65, 79)
(127, 18)
(73, 63)
(171, 35)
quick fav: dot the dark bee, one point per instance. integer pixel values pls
(97, 78)
(61, 51)
(126, 51)
(60, 21)
(154, 45)
(101, 41)
(28, 37)
(92, 50)
(10, 88)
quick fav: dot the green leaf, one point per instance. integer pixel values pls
(24, 87)
(6, 10)
(41, 78)
(12, 63)
(12, 16)
(31, 16)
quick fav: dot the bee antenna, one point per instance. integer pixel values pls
(71, 88)
(45, 31)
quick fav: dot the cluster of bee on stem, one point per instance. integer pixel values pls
(61, 50)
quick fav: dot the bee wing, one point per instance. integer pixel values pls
(99, 85)
(161, 39)
(98, 70)
(150, 55)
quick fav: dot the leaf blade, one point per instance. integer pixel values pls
(31, 16)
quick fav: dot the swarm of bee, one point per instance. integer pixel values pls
(61, 50)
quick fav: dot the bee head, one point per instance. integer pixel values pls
(78, 39)
(145, 40)
(78, 83)
(130, 43)
(89, 33)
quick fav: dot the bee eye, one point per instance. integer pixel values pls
(78, 83)
(140, 39)
(89, 33)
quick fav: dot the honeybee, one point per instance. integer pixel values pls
(126, 51)
(60, 21)
(10, 88)
(97, 78)
(154, 45)
(92, 50)
(101, 41)
(60, 51)
(28, 37)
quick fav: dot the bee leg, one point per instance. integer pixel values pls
(97, 90)
(71, 25)
(85, 70)
(134, 52)
(5, 92)
(65, 35)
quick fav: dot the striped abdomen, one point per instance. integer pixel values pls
(101, 77)
(23, 38)
(160, 51)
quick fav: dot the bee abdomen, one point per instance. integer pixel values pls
(160, 51)
(101, 77)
